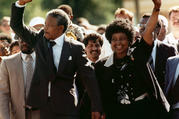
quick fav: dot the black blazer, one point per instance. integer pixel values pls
(145, 76)
(163, 52)
(62, 89)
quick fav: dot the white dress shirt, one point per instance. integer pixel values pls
(154, 52)
(24, 63)
(57, 50)
(170, 39)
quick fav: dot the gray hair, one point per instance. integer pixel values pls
(61, 17)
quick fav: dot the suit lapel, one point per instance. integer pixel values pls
(64, 55)
(45, 44)
(174, 71)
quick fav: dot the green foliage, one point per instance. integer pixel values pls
(5, 6)
(96, 11)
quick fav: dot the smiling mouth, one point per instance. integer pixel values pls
(94, 52)
(119, 46)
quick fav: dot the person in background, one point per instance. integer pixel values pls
(101, 29)
(124, 13)
(93, 45)
(37, 23)
(173, 37)
(73, 30)
(160, 52)
(172, 85)
(83, 22)
(16, 72)
(164, 28)
(14, 47)
(3, 51)
(5, 39)
(4, 25)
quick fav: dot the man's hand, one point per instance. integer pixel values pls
(157, 4)
(23, 2)
(96, 115)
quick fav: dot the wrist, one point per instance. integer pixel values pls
(156, 9)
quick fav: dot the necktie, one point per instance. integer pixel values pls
(52, 65)
(29, 73)
(51, 44)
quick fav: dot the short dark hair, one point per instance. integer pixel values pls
(120, 26)
(6, 37)
(61, 17)
(15, 43)
(66, 8)
(146, 15)
(102, 27)
(159, 21)
(93, 37)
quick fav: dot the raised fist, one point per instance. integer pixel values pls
(157, 3)
(23, 2)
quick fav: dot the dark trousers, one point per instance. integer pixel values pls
(174, 114)
(47, 113)
(32, 114)
(143, 109)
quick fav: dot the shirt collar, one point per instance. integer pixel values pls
(23, 55)
(59, 41)
(109, 61)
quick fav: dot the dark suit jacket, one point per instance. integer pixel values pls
(163, 52)
(145, 78)
(171, 68)
(62, 89)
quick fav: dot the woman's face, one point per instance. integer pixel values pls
(119, 44)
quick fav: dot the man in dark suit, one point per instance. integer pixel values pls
(93, 44)
(160, 52)
(58, 60)
(172, 85)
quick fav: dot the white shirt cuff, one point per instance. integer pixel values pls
(17, 4)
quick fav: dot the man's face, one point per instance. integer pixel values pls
(15, 49)
(25, 48)
(163, 32)
(4, 43)
(3, 50)
(142, 24)
(5, 27)
(174, 20)
(51, 29)
(93, 50)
